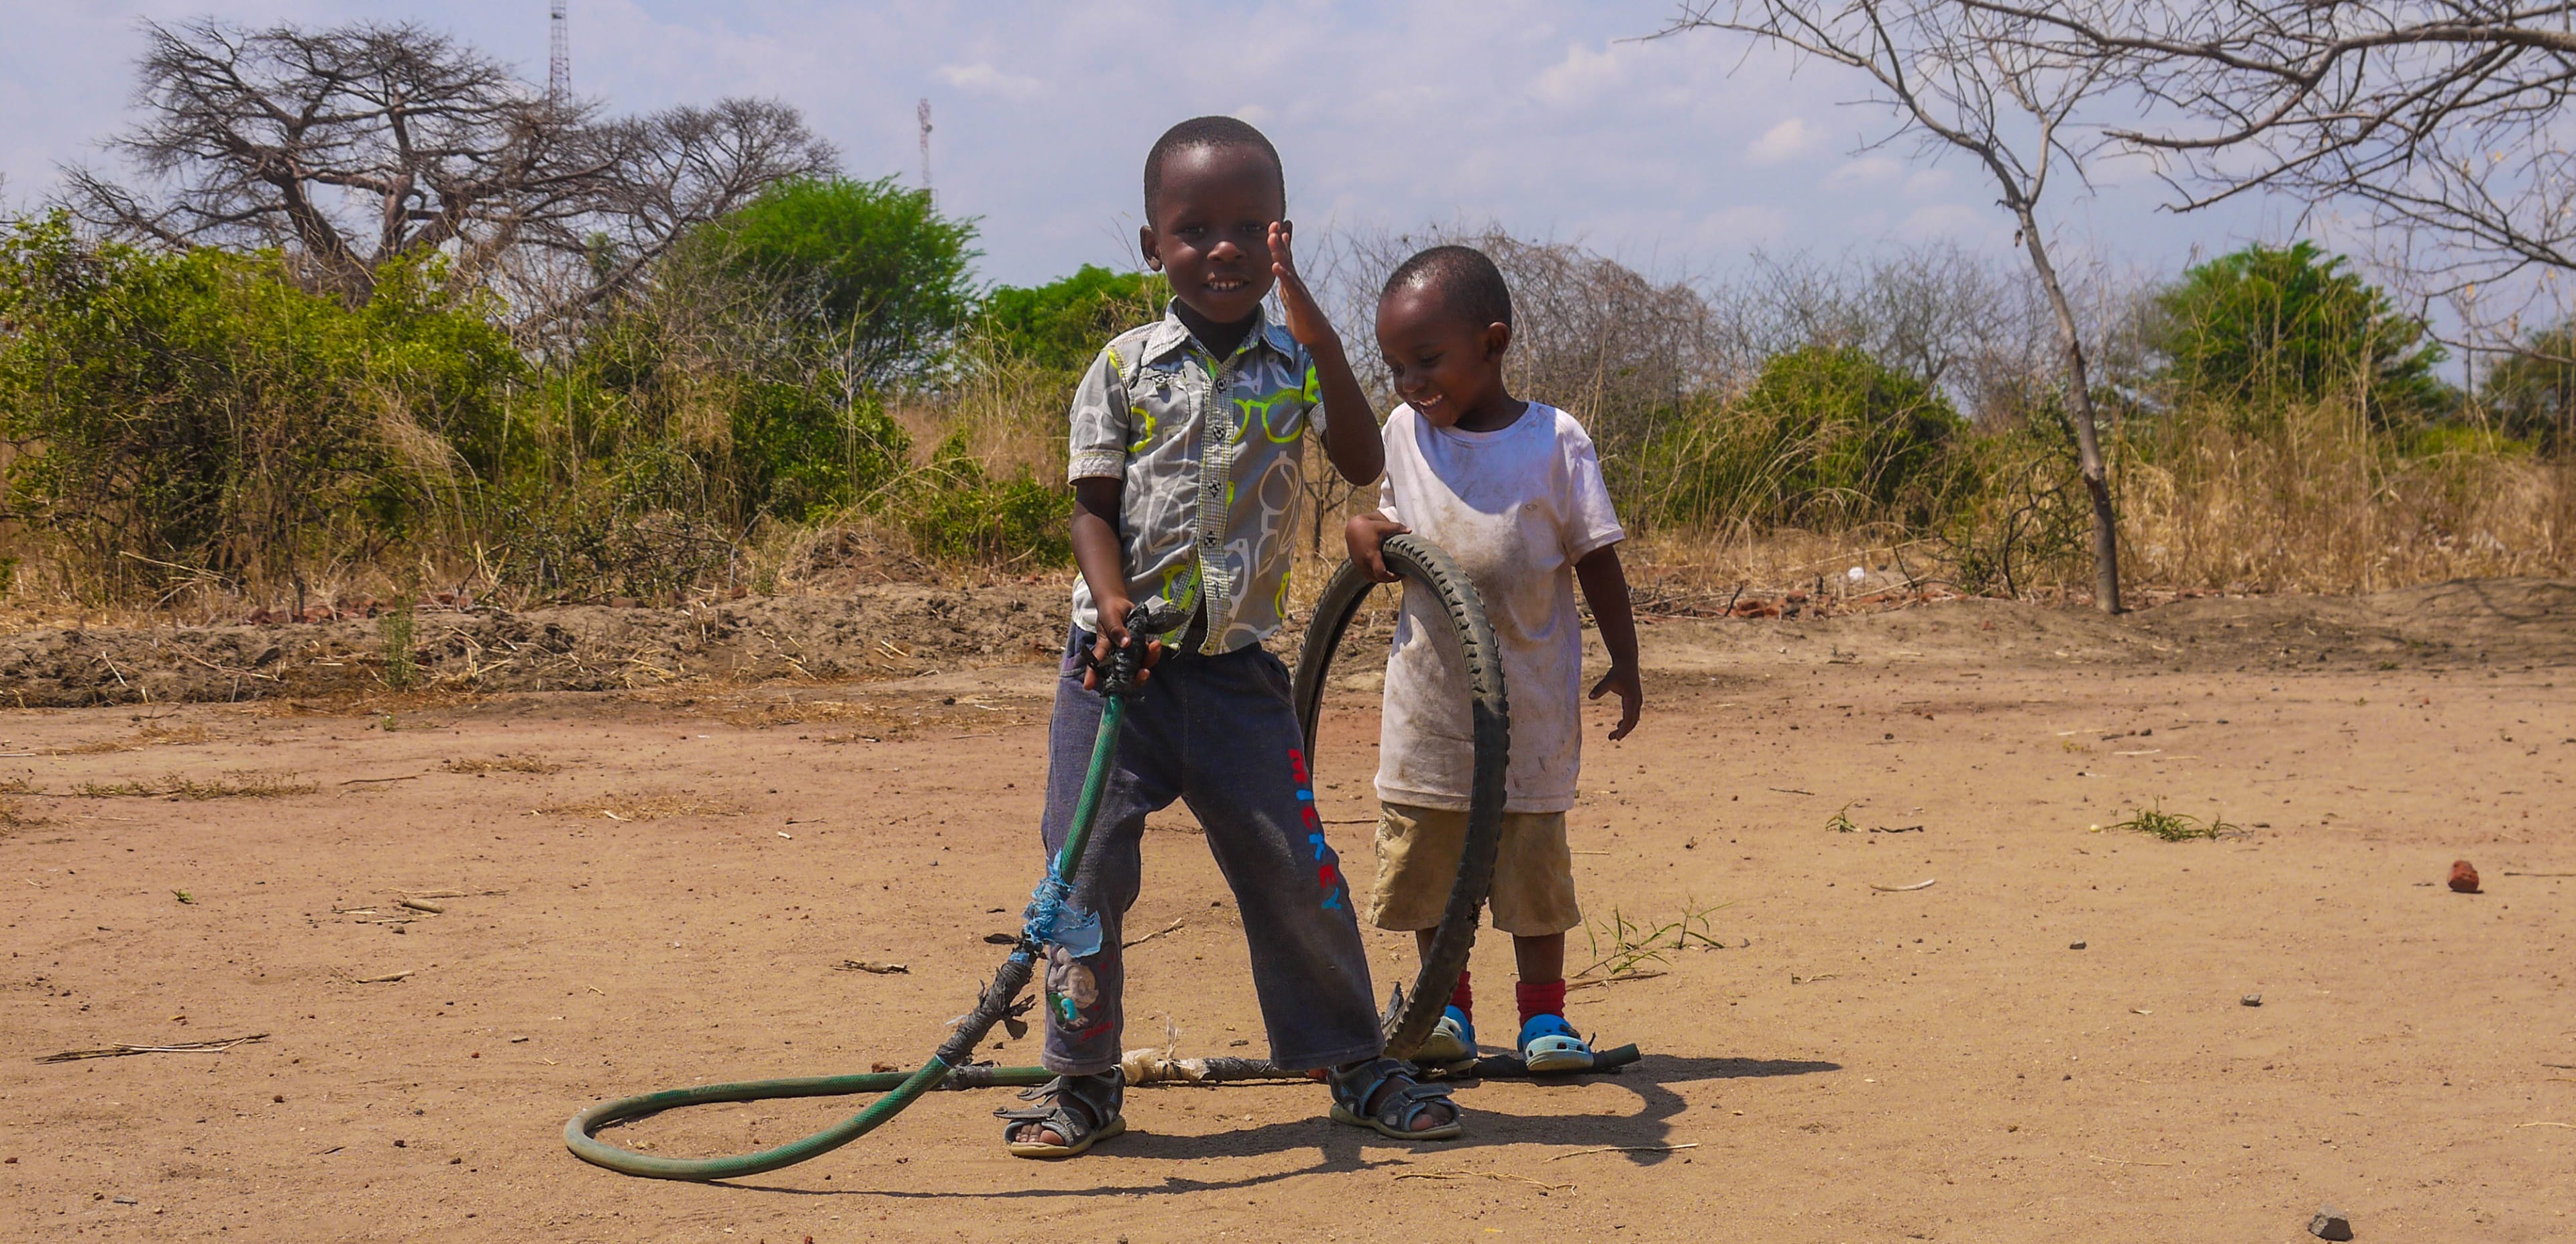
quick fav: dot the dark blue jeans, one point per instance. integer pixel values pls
(1220, 734)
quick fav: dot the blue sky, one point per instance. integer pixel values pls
(1677, 156)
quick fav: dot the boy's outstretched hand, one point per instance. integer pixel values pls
(1366, 535)
(1632, 697)
(1306, 319)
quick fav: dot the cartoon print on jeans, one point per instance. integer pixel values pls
(1328, 866)
(1071, 992)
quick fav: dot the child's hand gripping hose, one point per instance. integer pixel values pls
(1051, 920)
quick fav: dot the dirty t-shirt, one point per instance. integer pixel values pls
(1516, 508)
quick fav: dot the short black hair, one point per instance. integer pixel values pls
(1464, 278)
(1222, 133)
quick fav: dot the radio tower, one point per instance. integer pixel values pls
(924, 113)
(559, 67)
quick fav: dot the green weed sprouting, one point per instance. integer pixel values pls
(2173, 826)
(1633, 945)
(1842, 822)
(395, 630)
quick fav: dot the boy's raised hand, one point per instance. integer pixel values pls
(1306, 319)
(1632, 697)
(1366, 535)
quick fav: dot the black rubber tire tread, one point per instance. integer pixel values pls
(1423, 564)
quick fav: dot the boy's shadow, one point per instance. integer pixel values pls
(1340, 1148)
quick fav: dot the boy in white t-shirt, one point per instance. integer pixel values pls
(1512, 490)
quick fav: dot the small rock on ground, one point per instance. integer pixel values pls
(2330, 1224)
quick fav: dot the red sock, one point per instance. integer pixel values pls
(1541, 999)
(1464, 998)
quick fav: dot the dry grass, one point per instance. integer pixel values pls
(643, 806)
(503, 764)
(234, 784)
(2321, 503)
(146, 735)
(14, 816)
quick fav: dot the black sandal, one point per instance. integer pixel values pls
(1081, 1109)
(1406, 1098)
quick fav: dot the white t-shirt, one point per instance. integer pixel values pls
(1516, 508)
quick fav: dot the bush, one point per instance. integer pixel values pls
(181, 414)
(1827, 436)
(2265, 326)
(2532, 396)
(1061, 325)
(958, 512)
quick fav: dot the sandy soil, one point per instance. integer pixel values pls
(652, 889)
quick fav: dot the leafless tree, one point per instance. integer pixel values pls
(1975, 81)
(2444, 119)
(363, 144)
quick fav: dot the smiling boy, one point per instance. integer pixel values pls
(1187, 457)
(1512, 490)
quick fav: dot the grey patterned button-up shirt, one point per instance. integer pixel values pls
(1211, 453)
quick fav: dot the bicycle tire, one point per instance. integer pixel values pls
(1409, 1017)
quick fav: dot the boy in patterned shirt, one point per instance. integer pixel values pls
(1187, 440)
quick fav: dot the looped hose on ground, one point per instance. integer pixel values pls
(1409, 1018)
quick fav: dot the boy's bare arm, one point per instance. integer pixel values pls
(1605, 588)
(1102, 558)
(1350, 426)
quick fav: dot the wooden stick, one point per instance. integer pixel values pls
(121, 1050)
(386, 979)
(1924, 884)
(1169, 928)
(1627, 1149)
(1493, 1175)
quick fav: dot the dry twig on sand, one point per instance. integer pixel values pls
(1924, 884)
(1173, 927)
(121, 1050)
(1626, 1149)
(1497, 1176)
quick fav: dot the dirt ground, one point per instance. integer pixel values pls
(643, 889)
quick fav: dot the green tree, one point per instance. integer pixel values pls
(2266, 325)
(1062, 324)
(873, 272)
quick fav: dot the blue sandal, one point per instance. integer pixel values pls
(1401, 1103)
(1452, 1042)
(1549, 1044)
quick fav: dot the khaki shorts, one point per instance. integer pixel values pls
(1417, 863)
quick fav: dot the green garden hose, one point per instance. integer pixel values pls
(1408, 1020)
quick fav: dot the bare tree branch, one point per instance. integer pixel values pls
(359, 145)
(1986, 82)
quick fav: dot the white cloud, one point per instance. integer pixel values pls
(1582, 75)
(984, 78)
(1868, 170)
(1783, 142)
(1926, 182)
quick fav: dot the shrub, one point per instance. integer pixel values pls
(2532, 395)
(2265, 326)
(1062, 324)
(1826, 436)
(180, 414)
(958, 512)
